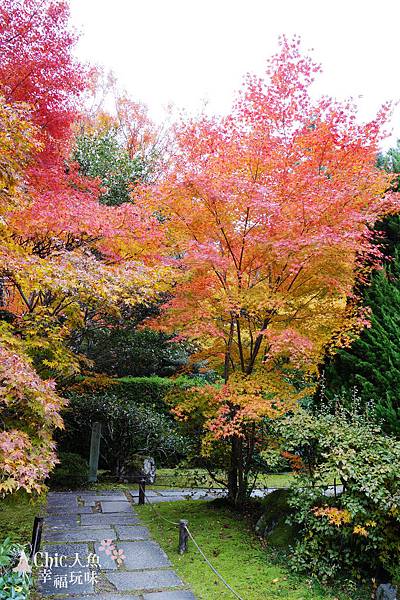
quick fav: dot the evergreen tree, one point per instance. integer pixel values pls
(372, 364)
(102, 154)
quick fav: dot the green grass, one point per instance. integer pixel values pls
(17, 514)
(200, 478)
(227, 540)
(188, 478)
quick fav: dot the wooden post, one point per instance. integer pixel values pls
(36, 536)
(142, 490)
(183, 536)
(94, 452)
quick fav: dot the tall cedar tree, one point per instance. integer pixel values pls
(371, 367)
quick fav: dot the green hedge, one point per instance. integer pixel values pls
(149, 391)
(71, 472)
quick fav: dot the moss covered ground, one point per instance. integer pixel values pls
(255, 570)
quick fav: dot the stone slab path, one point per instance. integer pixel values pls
(154, 496)
(94, 546)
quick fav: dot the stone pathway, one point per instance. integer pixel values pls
(155, 496)
(80, 566)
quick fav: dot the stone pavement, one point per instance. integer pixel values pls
(94, 546)
(154, 496)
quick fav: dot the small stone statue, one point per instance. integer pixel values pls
(138, 467)
(386, 592)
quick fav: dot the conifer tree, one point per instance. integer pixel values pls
(372, 364)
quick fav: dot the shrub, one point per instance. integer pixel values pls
(356, 529)
(72, 471)
(12, 584)
(148, 391)
(29, 409)
(127, 428)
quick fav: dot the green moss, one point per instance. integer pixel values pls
(236, 553)
(272, 524)
(282, 535)
(17, 514)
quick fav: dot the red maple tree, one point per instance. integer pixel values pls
(268, 211)
(37, 66)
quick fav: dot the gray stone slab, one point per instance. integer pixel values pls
(69, 510)
(126, 532)
(101, 519)
(174, 595)
(62, 496)
(64, 579)
(143, 555)
(157, 499)
(105, 560)
(206, 496)
(330, 491)
(149, 493)
(113, 507)
(102, 597)
(56, 522)
(260, 493)
(81, 534)
(144, 580)
(90, 503)
(64, 493)
(102, 498)
(67, 550)
(59, 502)
(89, 492)
(171, 493)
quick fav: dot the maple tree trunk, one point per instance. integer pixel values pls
(237, 482)
(237, 478)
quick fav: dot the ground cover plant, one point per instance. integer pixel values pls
(12, 584)
(250, 568)
(17, 514)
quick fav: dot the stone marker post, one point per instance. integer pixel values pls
(94, 452)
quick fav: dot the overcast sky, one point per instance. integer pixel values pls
(188, 52)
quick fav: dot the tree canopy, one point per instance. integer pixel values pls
(65, 258)
(267, 212)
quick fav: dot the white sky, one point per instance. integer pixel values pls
(188, 52)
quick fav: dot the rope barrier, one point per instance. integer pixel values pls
(155, 511)
(214, 570)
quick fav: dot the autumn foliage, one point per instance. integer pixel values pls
(257, 225)
(38, 68)
(268, 212)
(64, 258)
